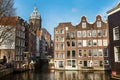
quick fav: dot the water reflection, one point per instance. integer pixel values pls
(59, 75)
(81, 75)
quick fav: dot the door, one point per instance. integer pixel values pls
(85, 63)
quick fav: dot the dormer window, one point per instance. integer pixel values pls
(99, 24)
(83, 24)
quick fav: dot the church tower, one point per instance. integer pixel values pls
(35, 19)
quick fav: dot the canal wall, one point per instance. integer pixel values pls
(5, 72)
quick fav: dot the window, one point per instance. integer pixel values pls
(106, 62)
(94, 33)
(85, 53)
(95, 52)
(73, 53)
(83, 33)
(84, 43)
(73, 63)
(62, 31)
(99, 24)
(61, 55)
(100, 52)
(105, 42)
(68, 35)
(80, 53)
(105, 52)
(101, 63)
(62, 47)
(117, 53)
(56, 39)
(96, 62)
(80, 62)
(72, 34)
(83, 24)
(68, 43)
(68, 54)
(89, 52)
(73, 43)
(89, 43)
(99, 33)
(56, 31)
(62, 39)
(56, 55)
(116, 33)
(79, 34)
(56, 48)
(99, 42)
(68, 62)
(79, 43)
(60, 64)
(94, 42)
(89, 33)
(104, 32)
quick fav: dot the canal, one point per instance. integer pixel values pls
(45, 74)
(58, 75)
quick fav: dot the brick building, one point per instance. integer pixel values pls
(13, 46)
(84, 46)
(114, 37)
(45, 43)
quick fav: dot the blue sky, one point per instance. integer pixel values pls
(54, 12)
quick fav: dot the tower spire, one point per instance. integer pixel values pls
(35, 18)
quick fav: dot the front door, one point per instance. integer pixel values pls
(85, 63)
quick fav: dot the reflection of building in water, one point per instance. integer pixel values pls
(59, 75)
(79, 75)
(84, 46)
(71, 75)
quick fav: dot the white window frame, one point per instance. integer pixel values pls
(83, 33)
(95, 41)
(100, 42)
(94, 33)
(81, 53)
(104, 32)
(90, 43)
(105, 62)
(89, 33)
(83, 24)
(105, 42)
(79, 34)
(99, 32)
(84, 43)
(99, 24)
(116, 53)
(116, 35)
(100, 50)
(79, 41)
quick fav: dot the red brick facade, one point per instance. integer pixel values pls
(84, 46)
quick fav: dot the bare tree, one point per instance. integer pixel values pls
(7, 8)
(7, 30)
(6, 24)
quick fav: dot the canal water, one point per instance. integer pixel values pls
(59, 75)
(45, 74)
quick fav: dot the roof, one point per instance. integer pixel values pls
(114, 9)
(9, 20)
(35, 14)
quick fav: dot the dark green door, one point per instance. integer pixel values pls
(85, 63)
